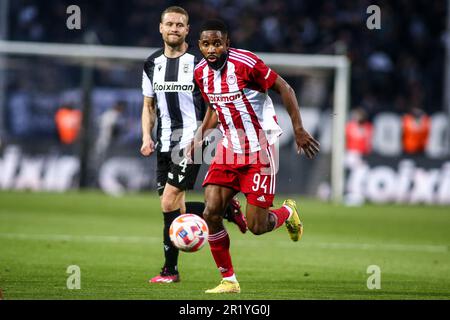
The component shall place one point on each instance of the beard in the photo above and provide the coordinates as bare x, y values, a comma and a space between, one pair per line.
216, 65
174, 42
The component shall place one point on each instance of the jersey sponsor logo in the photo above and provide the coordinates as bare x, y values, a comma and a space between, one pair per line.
180, 178
261, 199
174, 86
225, 97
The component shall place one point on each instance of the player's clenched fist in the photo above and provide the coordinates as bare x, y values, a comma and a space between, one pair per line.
148, 147
306, 143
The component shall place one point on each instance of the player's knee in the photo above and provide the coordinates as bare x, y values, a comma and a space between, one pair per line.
169, 202
212, 213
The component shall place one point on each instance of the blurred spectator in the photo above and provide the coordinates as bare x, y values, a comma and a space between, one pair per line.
358, 133
109, 127
416, 129
390, 66
68, 123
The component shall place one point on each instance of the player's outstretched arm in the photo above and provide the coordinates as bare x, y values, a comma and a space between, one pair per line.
303, 139
148, 122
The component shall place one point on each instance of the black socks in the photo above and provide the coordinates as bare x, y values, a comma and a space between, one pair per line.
170, 251
195, 208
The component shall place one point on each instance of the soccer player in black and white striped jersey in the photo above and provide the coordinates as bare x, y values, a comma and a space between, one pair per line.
171, 95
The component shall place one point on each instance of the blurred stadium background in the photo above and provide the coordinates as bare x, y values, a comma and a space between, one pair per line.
71, 123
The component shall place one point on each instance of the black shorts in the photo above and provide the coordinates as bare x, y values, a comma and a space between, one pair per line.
180, 175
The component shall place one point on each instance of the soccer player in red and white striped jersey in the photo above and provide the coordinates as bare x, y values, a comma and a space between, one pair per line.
235, 85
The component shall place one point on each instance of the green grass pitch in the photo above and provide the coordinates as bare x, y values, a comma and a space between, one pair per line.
116, 242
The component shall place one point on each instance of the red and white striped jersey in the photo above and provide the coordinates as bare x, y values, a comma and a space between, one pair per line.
238, 93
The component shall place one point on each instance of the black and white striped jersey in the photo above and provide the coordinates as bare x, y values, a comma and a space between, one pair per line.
179, 104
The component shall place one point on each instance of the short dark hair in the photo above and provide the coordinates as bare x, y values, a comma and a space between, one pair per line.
214, 24
175, 9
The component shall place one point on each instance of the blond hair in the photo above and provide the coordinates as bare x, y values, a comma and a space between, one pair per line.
175, 9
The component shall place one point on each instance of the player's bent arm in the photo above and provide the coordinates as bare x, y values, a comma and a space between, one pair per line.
148, 122
303, 139
210, 121
289, 101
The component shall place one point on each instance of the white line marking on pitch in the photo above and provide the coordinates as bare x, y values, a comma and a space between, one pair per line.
311, 244
78, 238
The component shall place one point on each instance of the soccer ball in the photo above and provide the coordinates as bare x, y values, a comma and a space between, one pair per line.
188, 232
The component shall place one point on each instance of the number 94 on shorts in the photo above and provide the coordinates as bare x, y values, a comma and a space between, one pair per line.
257, 181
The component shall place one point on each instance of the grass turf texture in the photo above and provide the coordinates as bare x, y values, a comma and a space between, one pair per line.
116, 242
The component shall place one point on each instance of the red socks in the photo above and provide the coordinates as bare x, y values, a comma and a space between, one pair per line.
220, 243
280, 215
220, 249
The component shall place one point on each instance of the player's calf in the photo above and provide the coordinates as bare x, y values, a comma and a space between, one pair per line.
259, 228
258, 220
261, 220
